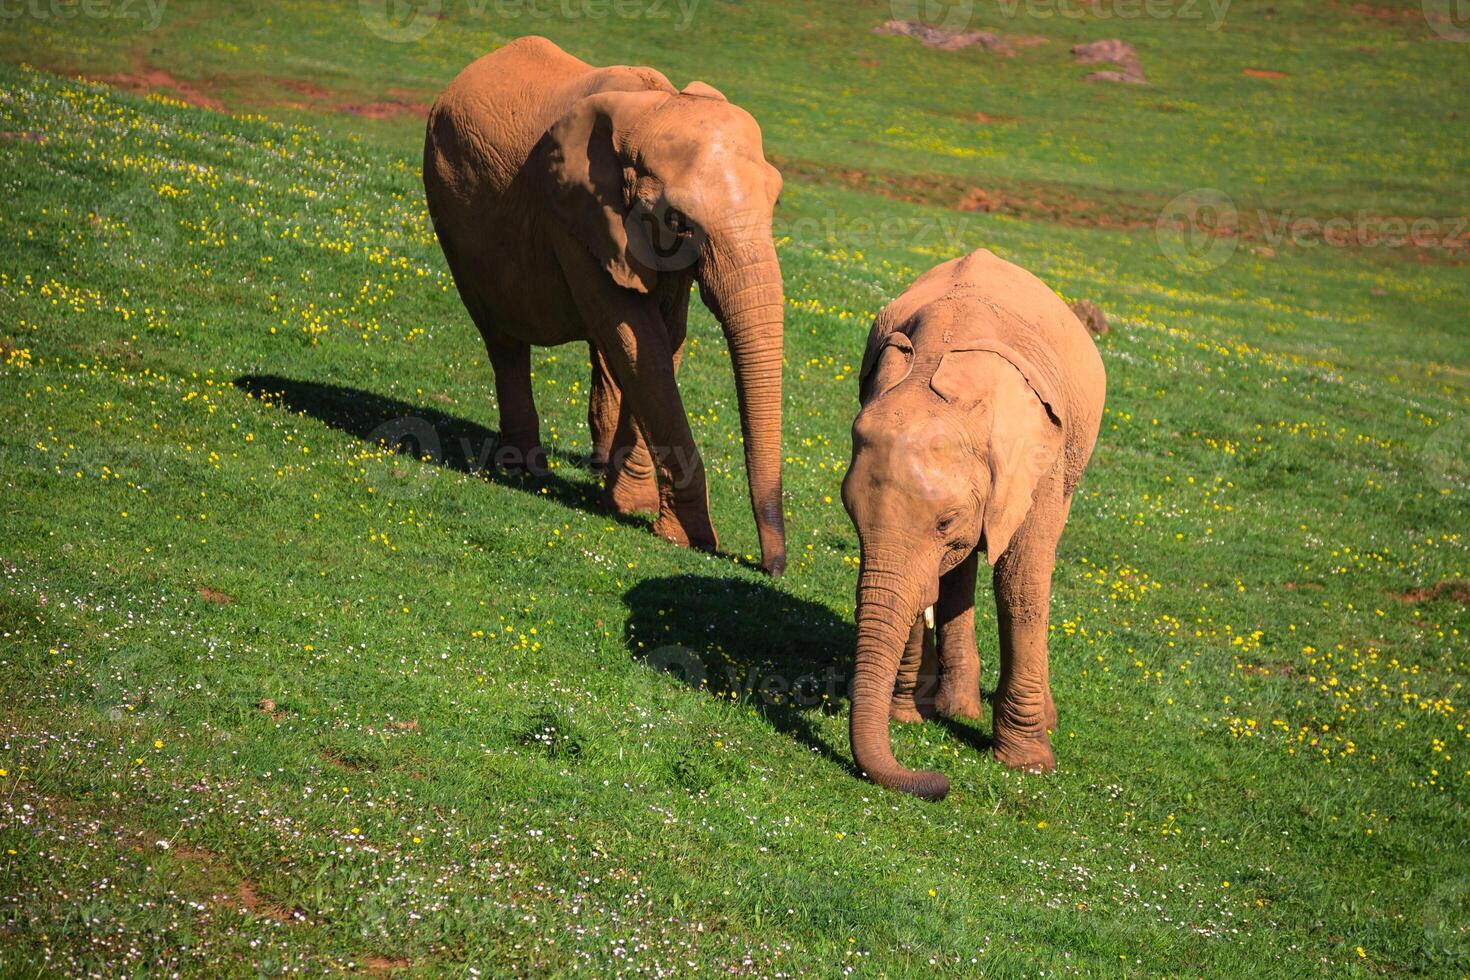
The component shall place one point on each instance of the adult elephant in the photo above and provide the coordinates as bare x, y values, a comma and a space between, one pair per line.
981, 399
581, 203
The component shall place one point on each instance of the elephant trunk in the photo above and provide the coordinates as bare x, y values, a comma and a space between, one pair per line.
742, 286
887, 605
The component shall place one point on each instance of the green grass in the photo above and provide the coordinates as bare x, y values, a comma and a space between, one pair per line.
277, 697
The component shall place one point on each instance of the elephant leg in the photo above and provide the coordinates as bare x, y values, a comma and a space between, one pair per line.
630, 485
1023, 705
636, 344
918, 677
520, 448
954, 627
603, 412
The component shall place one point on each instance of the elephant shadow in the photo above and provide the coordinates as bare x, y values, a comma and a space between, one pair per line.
424, 433
786, 657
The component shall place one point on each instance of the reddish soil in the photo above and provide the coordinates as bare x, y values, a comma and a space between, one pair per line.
1456, 591
1094, 207
385, 110
1388, 13
382, 964
1263, 73
248, 895
153, 79
215, 596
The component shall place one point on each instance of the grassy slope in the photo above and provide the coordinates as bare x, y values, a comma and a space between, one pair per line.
467, 758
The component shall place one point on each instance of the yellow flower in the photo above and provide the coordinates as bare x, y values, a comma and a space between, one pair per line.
158, 743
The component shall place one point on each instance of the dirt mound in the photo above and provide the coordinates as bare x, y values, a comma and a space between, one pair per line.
1111, 50
935, 37
386, 110
1092, 317
1457, 591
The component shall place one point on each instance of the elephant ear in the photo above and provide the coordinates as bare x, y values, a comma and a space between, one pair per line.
1025, 431
591, 178
703, 90
885, 366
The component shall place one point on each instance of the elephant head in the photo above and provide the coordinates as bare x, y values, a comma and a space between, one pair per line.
657, 183
947, 452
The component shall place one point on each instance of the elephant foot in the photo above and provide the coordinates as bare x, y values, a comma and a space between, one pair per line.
952, 705
629, 496
907, 710
522, 457
698, 534
1025, 754
597, 461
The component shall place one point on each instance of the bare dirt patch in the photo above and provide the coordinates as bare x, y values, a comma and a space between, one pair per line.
215, 596
945, 40
249, 898
1264, 73
1453, 590
1388, 14
148, 80
1092, 317
1095, 207
383, 964
1111, 51
385, 110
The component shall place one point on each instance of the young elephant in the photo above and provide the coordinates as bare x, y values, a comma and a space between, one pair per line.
981, 397
576, 203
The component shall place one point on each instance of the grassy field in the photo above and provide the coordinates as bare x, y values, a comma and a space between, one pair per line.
278, 698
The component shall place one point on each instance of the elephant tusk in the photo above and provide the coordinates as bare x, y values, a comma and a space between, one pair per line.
929, 617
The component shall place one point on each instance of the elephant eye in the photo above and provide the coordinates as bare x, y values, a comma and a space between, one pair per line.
678, 222
946, 522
